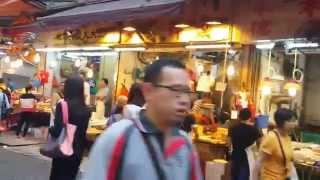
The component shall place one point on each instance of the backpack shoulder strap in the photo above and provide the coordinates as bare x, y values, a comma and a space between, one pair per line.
118, 155
153, 155
282, 150
192, 156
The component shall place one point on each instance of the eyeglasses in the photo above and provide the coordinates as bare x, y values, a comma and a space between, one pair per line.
176, 88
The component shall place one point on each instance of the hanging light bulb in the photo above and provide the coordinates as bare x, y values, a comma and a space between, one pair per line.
26, 53
6, 59
36, 58
231, 70
266, 90
292, 87
77, 63
292, 91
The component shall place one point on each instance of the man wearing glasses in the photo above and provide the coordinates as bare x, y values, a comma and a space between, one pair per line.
150, 147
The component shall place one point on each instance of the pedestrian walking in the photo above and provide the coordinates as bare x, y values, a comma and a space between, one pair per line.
150, 147
243, 135
275, 160
28, 102
79, 114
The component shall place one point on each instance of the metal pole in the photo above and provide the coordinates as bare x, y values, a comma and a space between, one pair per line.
269, 63
295, 63
224, 73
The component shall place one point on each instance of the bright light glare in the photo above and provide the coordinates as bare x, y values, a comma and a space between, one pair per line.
265, 46
208, 46
231, 70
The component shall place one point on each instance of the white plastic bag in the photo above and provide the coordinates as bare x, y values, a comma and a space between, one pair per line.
250, 151
294, 174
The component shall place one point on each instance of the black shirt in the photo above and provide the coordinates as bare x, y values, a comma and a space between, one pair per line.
242, 136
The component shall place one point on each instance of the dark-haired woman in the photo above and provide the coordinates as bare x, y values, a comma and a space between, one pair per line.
79, 113
135, 102
276, 152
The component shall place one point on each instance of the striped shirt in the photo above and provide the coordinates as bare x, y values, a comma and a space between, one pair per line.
114, 152
28, 102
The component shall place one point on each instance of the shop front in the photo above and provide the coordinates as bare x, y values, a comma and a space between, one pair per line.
230, 68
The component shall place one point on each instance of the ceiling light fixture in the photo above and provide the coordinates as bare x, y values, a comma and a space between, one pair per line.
91, 53
119, 49
213, 23
129, 28
88, 48
265, 46
301, 45
181, 26
208, 46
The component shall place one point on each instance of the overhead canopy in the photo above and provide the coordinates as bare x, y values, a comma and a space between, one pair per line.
121, 10
15, 7
11, 10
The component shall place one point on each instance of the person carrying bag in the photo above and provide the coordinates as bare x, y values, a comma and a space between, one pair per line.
293, 174
63, 145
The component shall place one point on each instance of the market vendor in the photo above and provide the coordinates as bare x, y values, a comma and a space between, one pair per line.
102, 97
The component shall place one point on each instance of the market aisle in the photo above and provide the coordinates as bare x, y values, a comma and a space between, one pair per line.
16, 166
24, 162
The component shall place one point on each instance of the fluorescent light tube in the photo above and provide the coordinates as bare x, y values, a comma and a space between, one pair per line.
130, 49
208, 46
301, 45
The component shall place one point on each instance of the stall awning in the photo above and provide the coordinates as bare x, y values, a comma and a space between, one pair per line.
113, 11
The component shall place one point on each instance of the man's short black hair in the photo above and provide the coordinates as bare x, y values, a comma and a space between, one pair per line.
244, 114
1, 80
106, 81
153, 71
282, 115
28, 88
83, 73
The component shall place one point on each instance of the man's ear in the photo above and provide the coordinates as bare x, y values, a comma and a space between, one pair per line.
146, 90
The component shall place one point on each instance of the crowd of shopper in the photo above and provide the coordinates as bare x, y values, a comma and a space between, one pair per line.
143, 138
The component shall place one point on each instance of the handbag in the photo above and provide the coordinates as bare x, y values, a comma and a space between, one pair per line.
4, 107
62, 146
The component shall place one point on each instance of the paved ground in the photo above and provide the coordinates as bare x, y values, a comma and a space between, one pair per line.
16, 166
22, 161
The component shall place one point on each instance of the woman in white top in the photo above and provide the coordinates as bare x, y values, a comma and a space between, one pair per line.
135, 102
102, 97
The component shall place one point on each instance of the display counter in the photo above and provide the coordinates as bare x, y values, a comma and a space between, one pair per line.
307, 159
41, 115
93, 133
210, 145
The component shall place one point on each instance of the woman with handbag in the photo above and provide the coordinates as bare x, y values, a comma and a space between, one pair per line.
276, 152
66, 168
